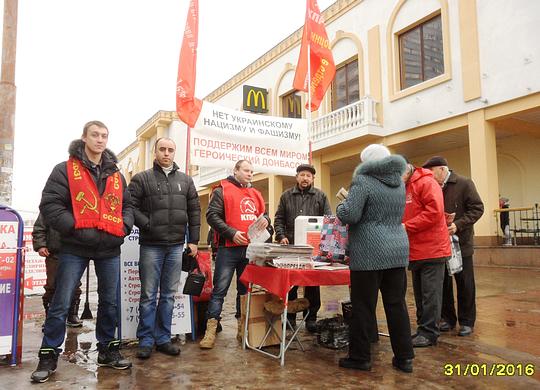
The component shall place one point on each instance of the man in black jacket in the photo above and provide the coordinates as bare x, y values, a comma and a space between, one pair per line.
87, 201
165, 201
461, 198
302, 199
46, 242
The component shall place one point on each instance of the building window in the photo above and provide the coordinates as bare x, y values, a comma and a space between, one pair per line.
421, 53
345, 87
292, 105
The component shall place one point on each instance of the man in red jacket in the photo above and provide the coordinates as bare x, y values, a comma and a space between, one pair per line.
429, 249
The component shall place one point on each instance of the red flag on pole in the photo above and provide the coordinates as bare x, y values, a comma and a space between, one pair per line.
188, 106
315, 42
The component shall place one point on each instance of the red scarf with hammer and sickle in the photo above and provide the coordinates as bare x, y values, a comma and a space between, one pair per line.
91, 210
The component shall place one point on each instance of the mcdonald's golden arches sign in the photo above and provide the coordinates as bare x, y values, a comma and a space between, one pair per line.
255, 99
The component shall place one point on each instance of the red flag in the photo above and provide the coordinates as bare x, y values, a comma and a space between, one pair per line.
322, 64
188, 106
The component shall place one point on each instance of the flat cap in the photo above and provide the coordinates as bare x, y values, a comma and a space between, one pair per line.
305, 167
435, 161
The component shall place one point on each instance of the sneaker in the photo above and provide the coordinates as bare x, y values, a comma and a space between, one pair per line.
355, 364
48, 360
465, 330
445, 326
421, 341
168, 349
144, 352
110, 356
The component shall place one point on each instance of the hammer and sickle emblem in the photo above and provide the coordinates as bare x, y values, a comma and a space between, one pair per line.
81, 196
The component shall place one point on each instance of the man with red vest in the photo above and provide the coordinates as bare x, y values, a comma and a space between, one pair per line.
429, 249
234, 206
87, 201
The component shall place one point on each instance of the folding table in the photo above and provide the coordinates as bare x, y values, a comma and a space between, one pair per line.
279, 281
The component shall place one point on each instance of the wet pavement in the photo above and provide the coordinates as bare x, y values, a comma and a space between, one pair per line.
505, 339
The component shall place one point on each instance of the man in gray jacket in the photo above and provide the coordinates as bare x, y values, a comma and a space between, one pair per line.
166, 206
302, 199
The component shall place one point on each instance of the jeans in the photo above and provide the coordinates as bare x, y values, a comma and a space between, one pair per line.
466, 296
68, 276
428, 277
365, 286
159, 268
228, 260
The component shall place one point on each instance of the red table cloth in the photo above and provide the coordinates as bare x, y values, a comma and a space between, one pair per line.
279, 281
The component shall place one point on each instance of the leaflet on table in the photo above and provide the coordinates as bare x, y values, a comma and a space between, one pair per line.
257, 230
320, 263
291, 262
333, 267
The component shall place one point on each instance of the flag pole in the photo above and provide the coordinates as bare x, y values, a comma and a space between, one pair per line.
188, 151
309, 102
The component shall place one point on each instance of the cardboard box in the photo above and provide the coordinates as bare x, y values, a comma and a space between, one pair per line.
257, 325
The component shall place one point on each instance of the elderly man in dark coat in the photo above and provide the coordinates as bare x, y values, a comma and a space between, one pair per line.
460, 197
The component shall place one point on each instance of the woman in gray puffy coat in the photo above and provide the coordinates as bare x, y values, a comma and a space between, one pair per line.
379, 250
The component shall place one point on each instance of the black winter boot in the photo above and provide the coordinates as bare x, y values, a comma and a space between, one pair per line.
48, 360
73, 320
110, 356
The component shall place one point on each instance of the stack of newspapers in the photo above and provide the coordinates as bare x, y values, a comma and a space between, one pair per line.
281, 256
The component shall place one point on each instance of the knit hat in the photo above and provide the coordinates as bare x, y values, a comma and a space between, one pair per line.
435, 161
374, 152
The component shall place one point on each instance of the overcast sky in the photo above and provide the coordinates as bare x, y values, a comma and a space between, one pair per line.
117, 61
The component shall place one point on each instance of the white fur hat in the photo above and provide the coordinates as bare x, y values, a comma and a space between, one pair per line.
374, 152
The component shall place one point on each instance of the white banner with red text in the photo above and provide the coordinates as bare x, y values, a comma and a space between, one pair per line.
222, 136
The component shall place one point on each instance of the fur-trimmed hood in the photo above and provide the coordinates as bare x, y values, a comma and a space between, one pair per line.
76, 149
387, 170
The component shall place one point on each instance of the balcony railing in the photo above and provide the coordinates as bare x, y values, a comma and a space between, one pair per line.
353, 117
518, 226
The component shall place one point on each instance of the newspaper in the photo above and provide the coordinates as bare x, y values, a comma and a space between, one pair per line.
259, 252
257, 230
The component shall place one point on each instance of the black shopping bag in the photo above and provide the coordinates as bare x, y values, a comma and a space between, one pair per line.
194, 283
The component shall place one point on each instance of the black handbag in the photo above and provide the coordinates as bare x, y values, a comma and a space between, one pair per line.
194, 283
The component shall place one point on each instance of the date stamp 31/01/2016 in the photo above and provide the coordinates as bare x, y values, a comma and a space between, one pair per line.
489, 369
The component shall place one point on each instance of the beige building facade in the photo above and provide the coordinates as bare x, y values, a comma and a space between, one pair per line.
456, 78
